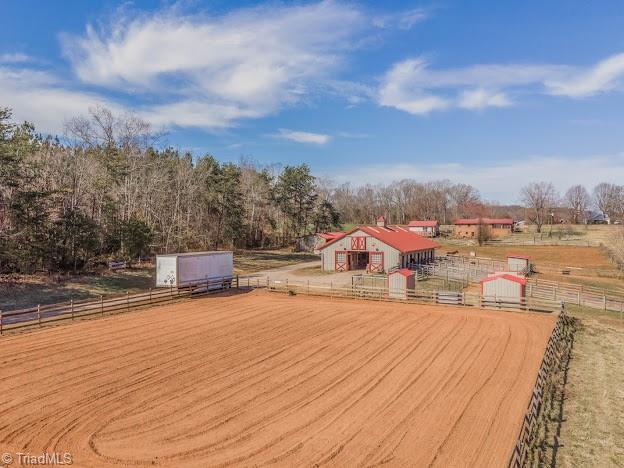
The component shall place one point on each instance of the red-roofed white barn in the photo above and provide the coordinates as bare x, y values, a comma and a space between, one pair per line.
377, 249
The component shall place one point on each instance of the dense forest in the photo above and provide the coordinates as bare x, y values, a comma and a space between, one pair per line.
110, 190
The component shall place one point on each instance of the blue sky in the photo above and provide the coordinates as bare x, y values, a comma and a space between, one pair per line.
495, 94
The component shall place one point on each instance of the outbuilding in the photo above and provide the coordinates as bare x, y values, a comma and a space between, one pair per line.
505, 285
518, 263
377, 249
468, 228
400, 282
426, 228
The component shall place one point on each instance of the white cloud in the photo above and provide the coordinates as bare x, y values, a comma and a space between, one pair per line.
412, 86
481, 98
303, 137
499, 181
41, 98
244, 64
602, 77
404, 20
399, 90
14, 58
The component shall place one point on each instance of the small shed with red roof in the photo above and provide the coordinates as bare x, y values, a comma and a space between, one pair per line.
427, 228
400, 282
504, 285
377, 249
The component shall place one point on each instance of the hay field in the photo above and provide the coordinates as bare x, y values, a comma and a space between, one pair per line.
260, 378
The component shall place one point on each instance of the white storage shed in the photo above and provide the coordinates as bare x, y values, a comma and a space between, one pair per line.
506, 285
400, 282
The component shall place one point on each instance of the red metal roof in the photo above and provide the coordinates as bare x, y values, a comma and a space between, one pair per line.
403, 271
465, 221
425, 223
507, 276
395, 236
330, 235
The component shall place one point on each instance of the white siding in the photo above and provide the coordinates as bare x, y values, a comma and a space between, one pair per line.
397, 285
517, 264
502, 287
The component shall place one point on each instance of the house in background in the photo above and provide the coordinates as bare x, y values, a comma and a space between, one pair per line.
469, 228
425, 228
377, 249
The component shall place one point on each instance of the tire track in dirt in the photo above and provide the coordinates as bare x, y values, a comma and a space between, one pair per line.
260, 378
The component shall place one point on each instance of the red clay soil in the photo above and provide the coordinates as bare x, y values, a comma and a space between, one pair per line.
264, 378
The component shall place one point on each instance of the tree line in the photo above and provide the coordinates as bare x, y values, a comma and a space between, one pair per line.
109, 192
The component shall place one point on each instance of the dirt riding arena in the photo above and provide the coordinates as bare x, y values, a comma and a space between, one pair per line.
264, 378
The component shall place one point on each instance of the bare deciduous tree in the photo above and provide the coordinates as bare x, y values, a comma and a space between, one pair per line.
609, 199
539, 198
577, 200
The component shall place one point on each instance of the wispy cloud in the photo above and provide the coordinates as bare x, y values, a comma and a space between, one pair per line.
413, 86
604, 76
14, 58
245, 64
303, 137
404, 20
42, 98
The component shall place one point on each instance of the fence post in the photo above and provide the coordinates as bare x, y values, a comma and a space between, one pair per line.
331, 289
127, 300
0, 321
604, 302
238, 282
150, 296
71, 304
171, 291
102, 303
248, 287
308, 287
39, 314
578, 298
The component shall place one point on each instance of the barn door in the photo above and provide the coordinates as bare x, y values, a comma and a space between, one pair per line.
342, 261
375, 260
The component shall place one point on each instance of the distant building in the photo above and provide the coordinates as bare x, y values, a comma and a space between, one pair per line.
377, 249
469, 228
428, 228
595, 217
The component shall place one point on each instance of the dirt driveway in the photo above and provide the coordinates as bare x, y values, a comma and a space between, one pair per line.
296, 273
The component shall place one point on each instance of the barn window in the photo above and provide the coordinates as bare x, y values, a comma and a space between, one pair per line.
358, 243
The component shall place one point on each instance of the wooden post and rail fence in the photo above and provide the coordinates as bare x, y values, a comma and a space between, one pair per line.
43, 315
527, 450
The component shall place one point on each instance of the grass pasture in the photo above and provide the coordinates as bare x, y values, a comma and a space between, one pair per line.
592, 433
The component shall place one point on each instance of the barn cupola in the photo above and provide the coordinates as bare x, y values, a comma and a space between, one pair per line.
381, 221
